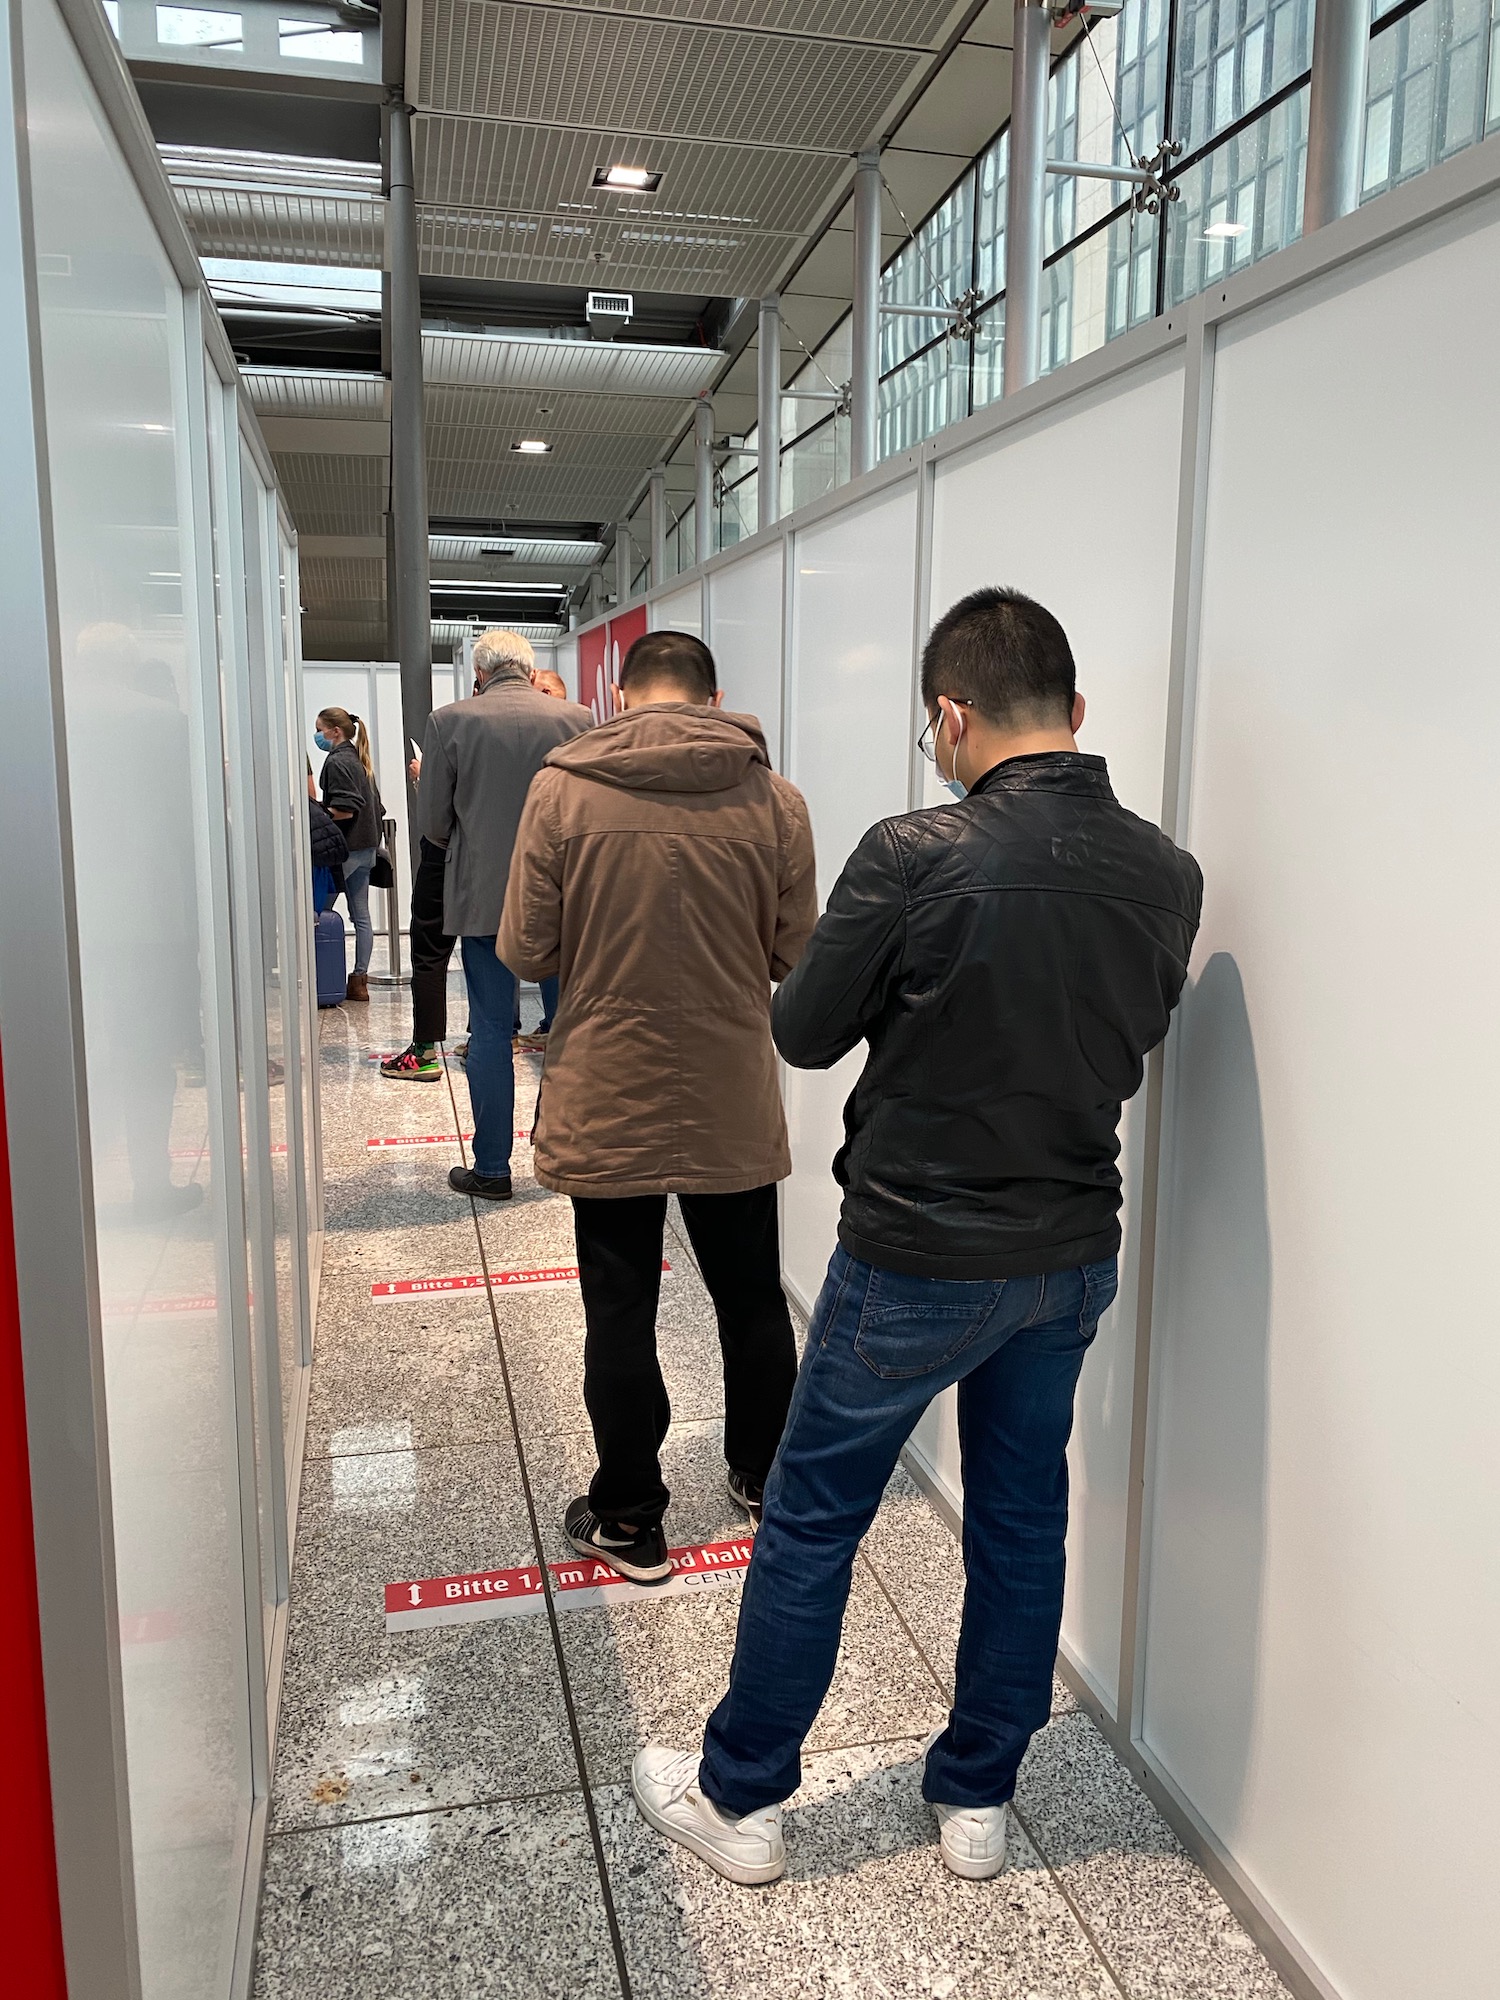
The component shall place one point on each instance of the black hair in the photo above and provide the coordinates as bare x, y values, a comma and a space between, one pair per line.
1007, 655
672, 656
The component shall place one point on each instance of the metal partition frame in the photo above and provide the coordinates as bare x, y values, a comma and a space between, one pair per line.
1194, 327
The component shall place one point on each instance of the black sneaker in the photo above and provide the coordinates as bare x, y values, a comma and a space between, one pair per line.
639, 1554
488, 1187
750, 1496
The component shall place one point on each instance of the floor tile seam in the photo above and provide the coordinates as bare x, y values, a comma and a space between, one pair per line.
943, 1686
400, 1450
1094, 1945
1110, 1970
429, 1811
606, 1891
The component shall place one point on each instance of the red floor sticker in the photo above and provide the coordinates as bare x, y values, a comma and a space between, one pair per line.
400, 1140
473, 1281
576, 1586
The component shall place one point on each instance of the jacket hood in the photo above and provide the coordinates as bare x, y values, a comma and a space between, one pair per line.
667, 748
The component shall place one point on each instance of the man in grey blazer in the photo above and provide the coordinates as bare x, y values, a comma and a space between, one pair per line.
478, 760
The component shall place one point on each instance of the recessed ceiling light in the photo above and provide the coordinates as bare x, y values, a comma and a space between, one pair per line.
640, 180
1227, 229
531, 444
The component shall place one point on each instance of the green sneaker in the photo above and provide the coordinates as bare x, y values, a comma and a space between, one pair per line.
416, 1064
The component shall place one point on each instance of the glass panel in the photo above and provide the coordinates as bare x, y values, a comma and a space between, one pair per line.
198, 28
931, 391
738, 505
933, 269
1120, 62
310, 41
1098, 289
1241, 202
1429, 92
1231, 56
989, 270
143, 764
989, 352
816, 463
826, 371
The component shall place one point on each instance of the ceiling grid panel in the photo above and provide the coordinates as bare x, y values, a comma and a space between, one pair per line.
597, 71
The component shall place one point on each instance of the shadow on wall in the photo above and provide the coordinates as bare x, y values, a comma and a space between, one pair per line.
1213, 1336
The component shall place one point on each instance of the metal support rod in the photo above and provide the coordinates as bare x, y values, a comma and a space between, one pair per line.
864, 388
658, 491
392, 974
922, 312
1092, 170
624, 564
703, 480
1336, 111
409, 544
768, 414
1026, 194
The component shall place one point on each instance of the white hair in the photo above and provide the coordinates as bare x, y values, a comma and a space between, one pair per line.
500, 648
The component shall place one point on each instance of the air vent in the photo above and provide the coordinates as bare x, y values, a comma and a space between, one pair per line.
609, 313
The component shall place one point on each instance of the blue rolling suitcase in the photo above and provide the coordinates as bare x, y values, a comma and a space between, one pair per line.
328, 956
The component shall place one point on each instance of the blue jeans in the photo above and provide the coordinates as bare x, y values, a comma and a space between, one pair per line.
357, 895
491, 1067
548, 990
881, 1346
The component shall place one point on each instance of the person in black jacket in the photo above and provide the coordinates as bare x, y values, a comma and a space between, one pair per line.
1008, 960
352, 797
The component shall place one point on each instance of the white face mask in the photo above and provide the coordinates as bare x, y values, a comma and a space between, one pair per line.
953, 784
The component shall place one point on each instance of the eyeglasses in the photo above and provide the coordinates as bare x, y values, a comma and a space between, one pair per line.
924, 741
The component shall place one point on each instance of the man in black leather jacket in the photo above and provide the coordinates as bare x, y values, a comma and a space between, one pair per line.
1009, 960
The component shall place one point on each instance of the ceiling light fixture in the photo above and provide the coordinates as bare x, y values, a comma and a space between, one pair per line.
633, 180
1221, 229
531, 445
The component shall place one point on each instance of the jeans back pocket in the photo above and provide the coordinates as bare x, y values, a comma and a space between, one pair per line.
914, 1326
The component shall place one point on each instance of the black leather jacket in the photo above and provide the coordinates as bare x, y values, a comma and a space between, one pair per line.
1010, 959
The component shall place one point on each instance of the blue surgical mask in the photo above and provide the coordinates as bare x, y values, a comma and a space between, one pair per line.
952, 786
322, 741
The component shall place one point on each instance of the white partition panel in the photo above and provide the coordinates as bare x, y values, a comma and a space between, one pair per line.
1027, 509
745, 631
145, 770
680, 611
567, 665
849, 749
1324, 1604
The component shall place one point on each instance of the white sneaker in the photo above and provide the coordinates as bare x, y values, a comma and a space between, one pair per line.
665, 1783
972, 1838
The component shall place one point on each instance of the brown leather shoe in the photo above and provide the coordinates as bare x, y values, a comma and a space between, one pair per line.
359, 987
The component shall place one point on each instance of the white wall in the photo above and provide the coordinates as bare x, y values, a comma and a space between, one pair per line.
1012, 511
746, 618
679, 611
849, 747
1323, 1663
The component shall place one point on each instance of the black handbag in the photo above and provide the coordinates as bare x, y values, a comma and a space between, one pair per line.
383, 867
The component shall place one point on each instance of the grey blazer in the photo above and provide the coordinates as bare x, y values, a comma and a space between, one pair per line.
478, 760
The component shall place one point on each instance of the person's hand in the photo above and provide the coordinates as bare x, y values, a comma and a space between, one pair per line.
414, 769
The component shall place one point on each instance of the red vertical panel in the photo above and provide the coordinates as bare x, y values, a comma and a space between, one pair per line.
593, 671
31, 1954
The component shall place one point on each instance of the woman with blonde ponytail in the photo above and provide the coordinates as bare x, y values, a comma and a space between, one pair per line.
353, 798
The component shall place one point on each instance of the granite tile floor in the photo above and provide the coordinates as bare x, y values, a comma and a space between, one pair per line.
451, 1813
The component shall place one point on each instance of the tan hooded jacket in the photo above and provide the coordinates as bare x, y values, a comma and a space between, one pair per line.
666, 873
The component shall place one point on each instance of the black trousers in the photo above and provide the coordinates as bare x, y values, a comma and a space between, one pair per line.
734, 1238
431, 947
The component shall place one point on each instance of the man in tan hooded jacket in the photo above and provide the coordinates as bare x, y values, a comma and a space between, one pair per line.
666, 873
